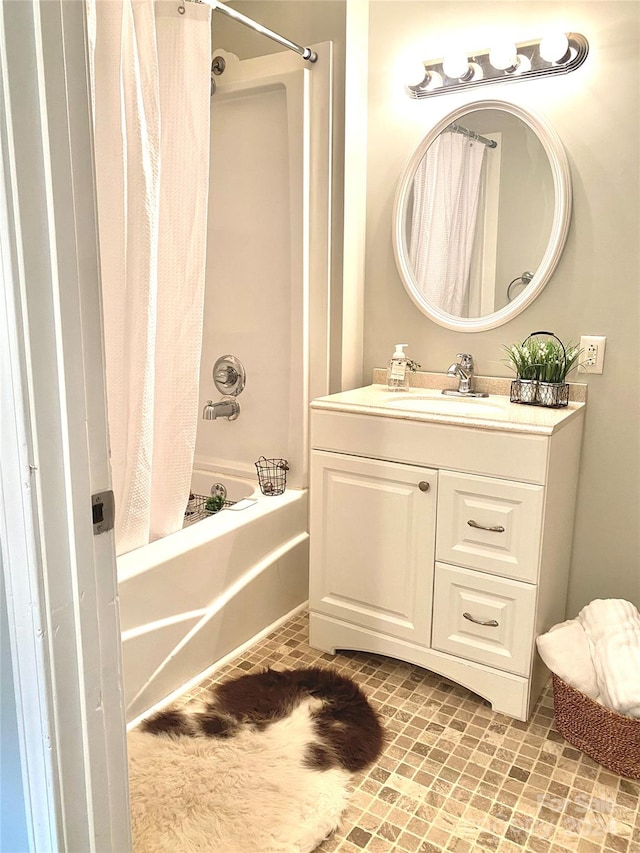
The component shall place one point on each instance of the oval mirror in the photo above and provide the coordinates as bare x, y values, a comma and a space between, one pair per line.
481, 215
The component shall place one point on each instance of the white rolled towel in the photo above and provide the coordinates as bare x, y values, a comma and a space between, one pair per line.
604, 615
617, 665
565, 650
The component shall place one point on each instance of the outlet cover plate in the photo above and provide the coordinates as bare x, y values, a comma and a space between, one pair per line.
592, 357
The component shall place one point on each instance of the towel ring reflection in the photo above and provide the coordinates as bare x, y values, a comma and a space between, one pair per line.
524, 279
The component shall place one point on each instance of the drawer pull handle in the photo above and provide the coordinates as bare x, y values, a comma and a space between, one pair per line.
497, 529
424, 486
490, 623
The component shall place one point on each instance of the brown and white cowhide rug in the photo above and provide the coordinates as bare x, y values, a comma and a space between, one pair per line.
263, 766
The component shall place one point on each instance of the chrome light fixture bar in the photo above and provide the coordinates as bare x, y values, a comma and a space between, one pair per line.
506, 63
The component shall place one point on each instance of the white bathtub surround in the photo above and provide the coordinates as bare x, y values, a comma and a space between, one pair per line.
182, 693
151, 75
190, 599
268, 276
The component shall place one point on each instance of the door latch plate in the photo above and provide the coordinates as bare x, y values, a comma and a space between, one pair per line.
103, 509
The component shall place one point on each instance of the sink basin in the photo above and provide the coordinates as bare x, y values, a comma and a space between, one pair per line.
436, 402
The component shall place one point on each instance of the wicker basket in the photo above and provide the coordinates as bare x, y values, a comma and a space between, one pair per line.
611, 739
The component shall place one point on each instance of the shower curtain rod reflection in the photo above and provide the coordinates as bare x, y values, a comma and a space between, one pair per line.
458, 128
305, 52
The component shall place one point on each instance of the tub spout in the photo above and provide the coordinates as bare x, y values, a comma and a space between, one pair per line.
228, 408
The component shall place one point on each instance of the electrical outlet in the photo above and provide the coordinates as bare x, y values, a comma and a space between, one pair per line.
592, 357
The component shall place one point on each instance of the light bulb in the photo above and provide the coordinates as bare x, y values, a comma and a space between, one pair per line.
555, 48
414, 72
434, 81
456, 65
504, 56
523, 64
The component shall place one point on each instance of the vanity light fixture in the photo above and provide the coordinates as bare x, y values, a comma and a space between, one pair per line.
557, 53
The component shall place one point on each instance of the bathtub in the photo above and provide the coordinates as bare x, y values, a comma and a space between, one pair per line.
194, 598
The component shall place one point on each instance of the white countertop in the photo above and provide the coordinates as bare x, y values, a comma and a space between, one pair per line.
495, 412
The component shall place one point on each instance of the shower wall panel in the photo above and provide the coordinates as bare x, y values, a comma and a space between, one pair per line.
249, 275
267, 260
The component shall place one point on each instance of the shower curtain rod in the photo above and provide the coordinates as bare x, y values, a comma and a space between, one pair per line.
458, 128
305, 52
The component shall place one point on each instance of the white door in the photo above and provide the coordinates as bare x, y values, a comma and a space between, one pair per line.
372, 543
59, 578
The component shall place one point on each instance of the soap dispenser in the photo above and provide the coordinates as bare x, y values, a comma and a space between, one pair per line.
398, 370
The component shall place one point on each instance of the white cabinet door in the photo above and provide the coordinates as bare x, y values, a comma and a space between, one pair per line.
372, 543
489, 524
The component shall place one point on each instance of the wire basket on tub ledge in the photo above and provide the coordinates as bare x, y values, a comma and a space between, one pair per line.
272, 475
541, 368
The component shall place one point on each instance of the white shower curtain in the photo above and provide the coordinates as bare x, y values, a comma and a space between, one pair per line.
443, 222
151, 95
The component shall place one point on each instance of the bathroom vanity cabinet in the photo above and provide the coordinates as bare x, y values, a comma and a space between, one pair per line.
443, 537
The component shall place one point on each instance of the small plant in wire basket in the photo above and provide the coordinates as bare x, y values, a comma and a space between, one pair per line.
522, 358
558, 361
541, 368
214, 503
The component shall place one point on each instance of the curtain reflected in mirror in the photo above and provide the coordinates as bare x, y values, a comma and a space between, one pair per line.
444, 213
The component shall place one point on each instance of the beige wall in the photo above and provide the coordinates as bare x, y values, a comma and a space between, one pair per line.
595, 289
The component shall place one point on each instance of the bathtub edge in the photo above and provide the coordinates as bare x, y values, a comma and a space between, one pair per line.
209, 671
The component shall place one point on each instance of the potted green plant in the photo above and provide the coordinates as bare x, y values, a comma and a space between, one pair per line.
556, 362
214, 503
541, 370
523, 360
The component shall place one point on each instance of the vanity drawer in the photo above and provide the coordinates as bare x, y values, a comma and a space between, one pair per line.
493, 452
464, 599
491, 525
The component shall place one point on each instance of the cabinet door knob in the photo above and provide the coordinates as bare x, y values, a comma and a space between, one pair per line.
424, 486
491, 623
497, 529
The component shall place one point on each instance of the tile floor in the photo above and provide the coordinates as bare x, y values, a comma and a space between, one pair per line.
455, 776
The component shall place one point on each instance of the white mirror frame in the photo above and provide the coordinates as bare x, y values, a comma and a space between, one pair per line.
559, 164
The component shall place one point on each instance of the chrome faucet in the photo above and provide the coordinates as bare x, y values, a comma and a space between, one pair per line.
228, 408
463, 369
